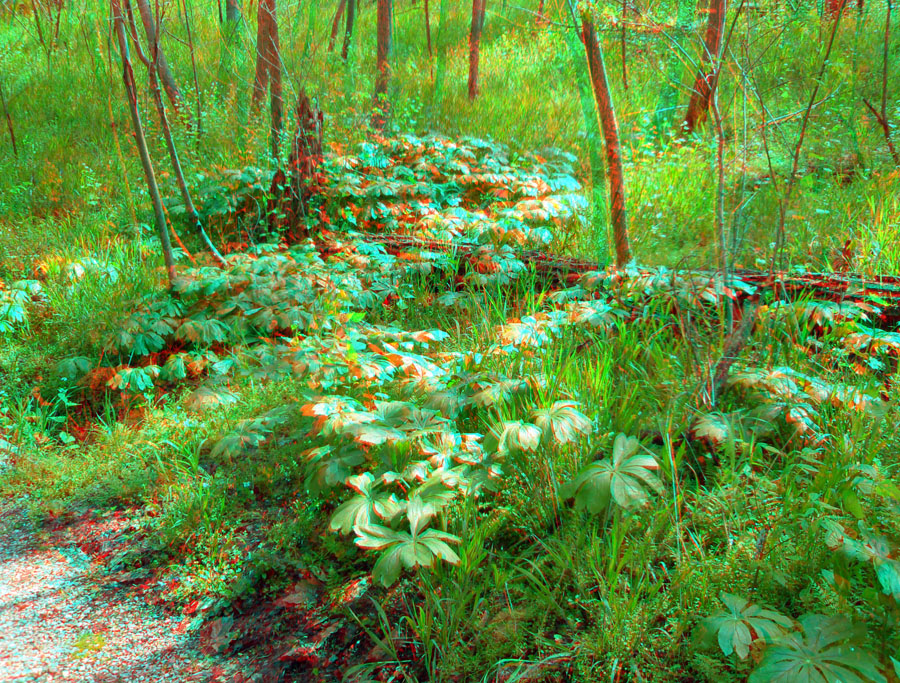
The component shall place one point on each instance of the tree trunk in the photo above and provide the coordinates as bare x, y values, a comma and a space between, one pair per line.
478, 11
153, 73
233, 11
348, 32
263, 31
441, 67
426, 11
9, 123
268, 69
289, 207
383, 64
146, 163
593, 135
276, 100
704, 84
880, 116
610, 126
187, 26
231, 33
165, 73
336, 24
668, 98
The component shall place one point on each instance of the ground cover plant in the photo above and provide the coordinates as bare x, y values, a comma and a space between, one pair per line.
501, 343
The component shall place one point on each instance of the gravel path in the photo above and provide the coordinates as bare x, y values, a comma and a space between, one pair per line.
60, 622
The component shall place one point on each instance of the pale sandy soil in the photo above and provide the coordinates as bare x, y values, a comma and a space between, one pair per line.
62, 621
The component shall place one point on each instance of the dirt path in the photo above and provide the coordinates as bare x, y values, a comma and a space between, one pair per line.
59, 621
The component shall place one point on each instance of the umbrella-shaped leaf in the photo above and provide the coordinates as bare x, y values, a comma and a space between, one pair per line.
742, 622
365, 507
420, 548
823, 653
624, 479
514, 436
562, 421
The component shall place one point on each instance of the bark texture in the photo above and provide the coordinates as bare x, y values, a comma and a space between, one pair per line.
153, 73
383, 64
427, 12
705, 82
156, 53
291, 194
146, 163
610, 127
478, 11
348, 31
268, 68
233, 11
336, 24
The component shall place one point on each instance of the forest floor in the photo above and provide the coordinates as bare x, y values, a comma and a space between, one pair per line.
333, 461
62, 620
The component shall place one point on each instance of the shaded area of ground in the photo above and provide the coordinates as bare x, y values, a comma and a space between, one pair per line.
61, 621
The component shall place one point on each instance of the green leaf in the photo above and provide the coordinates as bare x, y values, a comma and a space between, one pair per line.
743, 622
823, 653
851, 504
366, 507
327, 466
714, 427
174, 369
74, 369
624, 479
420, 547
210, 394
513, 437
562, 421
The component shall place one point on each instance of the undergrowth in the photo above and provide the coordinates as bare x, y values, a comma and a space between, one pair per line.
525, 480
436, 464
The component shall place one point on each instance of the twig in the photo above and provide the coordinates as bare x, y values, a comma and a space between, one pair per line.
779, 237
734, 344
9, 123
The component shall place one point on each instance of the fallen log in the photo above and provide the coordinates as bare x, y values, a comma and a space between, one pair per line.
881, 292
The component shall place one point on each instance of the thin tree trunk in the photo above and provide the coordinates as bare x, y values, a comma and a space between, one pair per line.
336, 24
348, 31
478, 11
721, 234
165, 73
114, 126
882, 116
233, 11
593, 136
37, 22
261, 76
153, 76
705, 82
383, 64
441, 66
610, 126
198, 94
624, 44
276, 100
9, 123
146, 163
231, 32
427, 13
153, 73
668, 98
795, 161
